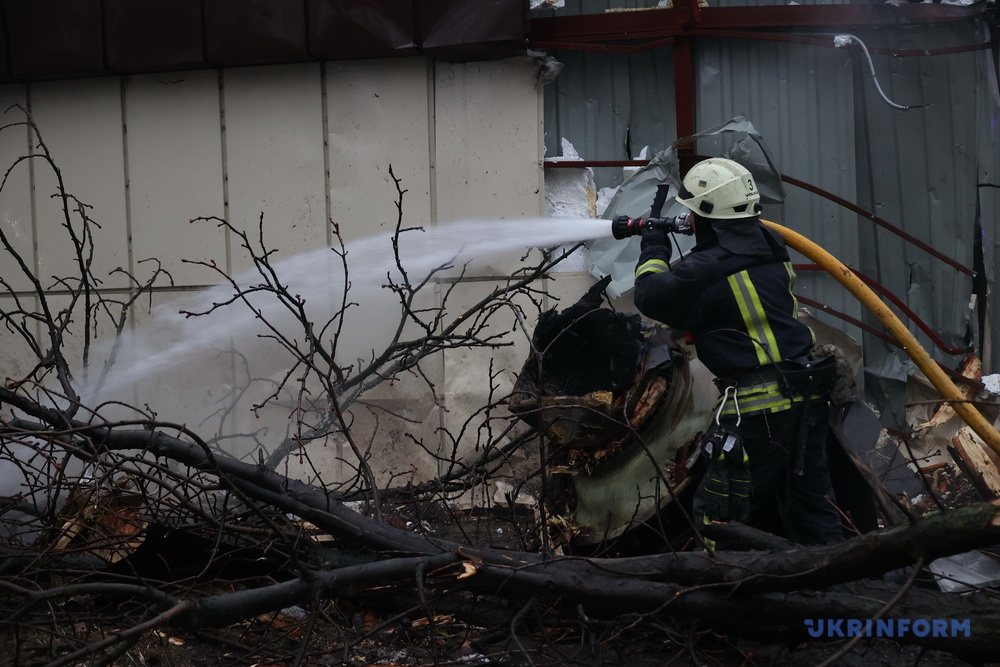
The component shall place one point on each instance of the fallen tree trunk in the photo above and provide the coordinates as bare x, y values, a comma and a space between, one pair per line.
868, 555
754, 594
968, 625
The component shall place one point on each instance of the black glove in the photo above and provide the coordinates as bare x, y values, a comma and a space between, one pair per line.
740, 487
714, 489
656, 236
726, 487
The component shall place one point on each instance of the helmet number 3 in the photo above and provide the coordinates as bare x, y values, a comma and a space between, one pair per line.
751, 190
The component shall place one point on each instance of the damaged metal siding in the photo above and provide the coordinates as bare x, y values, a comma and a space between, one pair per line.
801, 99
611, 106
923, 170
924, 167
930, 171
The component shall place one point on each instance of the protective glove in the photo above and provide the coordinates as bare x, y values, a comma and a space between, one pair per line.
740, 486
656, 236
715, 490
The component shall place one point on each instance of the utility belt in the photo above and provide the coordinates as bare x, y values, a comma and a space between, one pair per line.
778, 387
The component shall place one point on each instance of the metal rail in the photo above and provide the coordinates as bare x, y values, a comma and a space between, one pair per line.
884, 291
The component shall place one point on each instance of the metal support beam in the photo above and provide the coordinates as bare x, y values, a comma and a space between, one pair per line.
684, 94
665, 23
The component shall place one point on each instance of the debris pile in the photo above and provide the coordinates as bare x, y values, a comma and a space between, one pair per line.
585, 385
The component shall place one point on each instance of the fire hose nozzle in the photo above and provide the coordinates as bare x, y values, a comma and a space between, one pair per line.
623, 227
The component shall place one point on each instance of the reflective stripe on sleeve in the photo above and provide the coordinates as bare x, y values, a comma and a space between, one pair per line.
652, 266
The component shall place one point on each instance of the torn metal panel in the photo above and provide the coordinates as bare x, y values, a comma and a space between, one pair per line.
611, 105
616, 258
874, 469
988, 209
926, 179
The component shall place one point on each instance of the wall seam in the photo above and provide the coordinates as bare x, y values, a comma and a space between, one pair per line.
123, 101
35, 259
225, 169
227, 236
325, 114
441, 399
339, 444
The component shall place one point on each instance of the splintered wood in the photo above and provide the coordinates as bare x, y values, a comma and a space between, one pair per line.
973, 451
104, 522
971, 368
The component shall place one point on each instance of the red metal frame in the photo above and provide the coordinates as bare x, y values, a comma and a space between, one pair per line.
687, 17
686, 22
884, 291
684, 91
958, 266
951, 372
766, 36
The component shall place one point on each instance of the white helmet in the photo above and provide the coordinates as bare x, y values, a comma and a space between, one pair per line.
721, 189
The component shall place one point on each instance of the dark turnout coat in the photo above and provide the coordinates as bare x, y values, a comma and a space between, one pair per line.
732, 294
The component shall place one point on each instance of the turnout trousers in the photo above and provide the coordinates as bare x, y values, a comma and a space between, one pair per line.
802, 506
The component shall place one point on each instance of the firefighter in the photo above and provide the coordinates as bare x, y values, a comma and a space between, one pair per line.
732, 295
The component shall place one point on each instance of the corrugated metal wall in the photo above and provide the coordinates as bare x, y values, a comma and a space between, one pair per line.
923, 170
610, 106
801, 100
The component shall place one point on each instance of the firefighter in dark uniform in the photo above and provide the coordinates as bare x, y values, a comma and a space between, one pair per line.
732, 294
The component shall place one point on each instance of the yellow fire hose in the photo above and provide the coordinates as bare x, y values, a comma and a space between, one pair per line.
969, 414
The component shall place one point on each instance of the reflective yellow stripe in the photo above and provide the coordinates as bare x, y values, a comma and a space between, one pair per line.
652, 266
776, 405
765, 397
791, 286
795, 301
754, 318
716, 493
